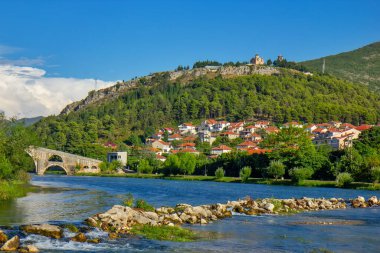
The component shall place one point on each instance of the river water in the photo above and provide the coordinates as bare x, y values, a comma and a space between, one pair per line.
76, 198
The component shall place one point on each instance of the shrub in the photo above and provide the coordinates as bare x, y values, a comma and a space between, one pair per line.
245, 172
375, 173
276, 169
144, 167
299, 174
219, 173
344, 179
142, 204
128, 201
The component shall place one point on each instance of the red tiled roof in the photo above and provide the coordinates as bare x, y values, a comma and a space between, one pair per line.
187, 144
222, 147
363, 127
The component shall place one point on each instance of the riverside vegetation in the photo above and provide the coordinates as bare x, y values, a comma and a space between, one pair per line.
14, 162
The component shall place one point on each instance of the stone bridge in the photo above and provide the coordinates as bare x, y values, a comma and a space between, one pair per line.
45, 158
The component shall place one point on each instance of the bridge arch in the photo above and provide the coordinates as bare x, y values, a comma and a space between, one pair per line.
55, 158
55, 165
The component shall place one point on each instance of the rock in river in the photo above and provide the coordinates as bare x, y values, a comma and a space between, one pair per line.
44, 229
12, 244
3, 237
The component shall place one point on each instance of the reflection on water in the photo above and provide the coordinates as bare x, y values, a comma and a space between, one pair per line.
84, 196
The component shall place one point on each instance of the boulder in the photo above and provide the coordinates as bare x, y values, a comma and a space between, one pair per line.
80, 237
91, 222
269, 207
28, 249
3, 237
12, 244
94, 240
361, 199
44, 229
373, 201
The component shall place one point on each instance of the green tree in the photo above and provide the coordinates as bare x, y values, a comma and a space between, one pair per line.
219, 173
375, 172
245, 173
187, 163
344, 179
172, 165
144, 167
276, 169
299, 174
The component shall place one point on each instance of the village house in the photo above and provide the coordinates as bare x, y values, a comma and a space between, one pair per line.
230, 135
175, 137
220, 126
246, 145
262, 124
253, 137
310, 128
293, 124
187, 145
222, 149
236, 127
271, 130
161, 158
187, 128
207, 125
164, 146
206, 136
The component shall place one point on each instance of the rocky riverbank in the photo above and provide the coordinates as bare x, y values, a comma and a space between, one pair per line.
122, 220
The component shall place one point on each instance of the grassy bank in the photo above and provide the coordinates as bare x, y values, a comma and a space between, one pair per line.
13, 189
306, 183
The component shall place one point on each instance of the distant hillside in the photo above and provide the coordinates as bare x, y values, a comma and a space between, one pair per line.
360, 66
29, 121
144, 105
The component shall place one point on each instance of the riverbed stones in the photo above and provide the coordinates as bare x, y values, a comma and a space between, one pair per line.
44, 229
80, 237
28, 249
358, 202
3, 237
269, 207
12, 244
373, 201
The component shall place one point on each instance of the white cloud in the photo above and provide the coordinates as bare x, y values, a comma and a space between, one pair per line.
26, 92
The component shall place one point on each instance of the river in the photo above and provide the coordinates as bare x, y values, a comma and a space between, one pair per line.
75, 198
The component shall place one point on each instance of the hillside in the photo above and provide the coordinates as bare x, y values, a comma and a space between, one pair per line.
165, 99
360, 66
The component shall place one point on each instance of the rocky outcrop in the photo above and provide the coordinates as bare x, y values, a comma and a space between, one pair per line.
44, 229
12, 244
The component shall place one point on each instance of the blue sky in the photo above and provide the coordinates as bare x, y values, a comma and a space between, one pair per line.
114, 40
52, 51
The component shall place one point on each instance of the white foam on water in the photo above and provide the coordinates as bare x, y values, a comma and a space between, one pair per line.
97, 233
45, 243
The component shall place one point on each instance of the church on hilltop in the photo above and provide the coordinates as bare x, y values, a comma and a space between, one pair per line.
257, 60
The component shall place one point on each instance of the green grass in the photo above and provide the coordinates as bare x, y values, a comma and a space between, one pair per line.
165, 233
13, 189
306, 183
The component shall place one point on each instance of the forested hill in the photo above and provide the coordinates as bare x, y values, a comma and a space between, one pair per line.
160, 101
361, 65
